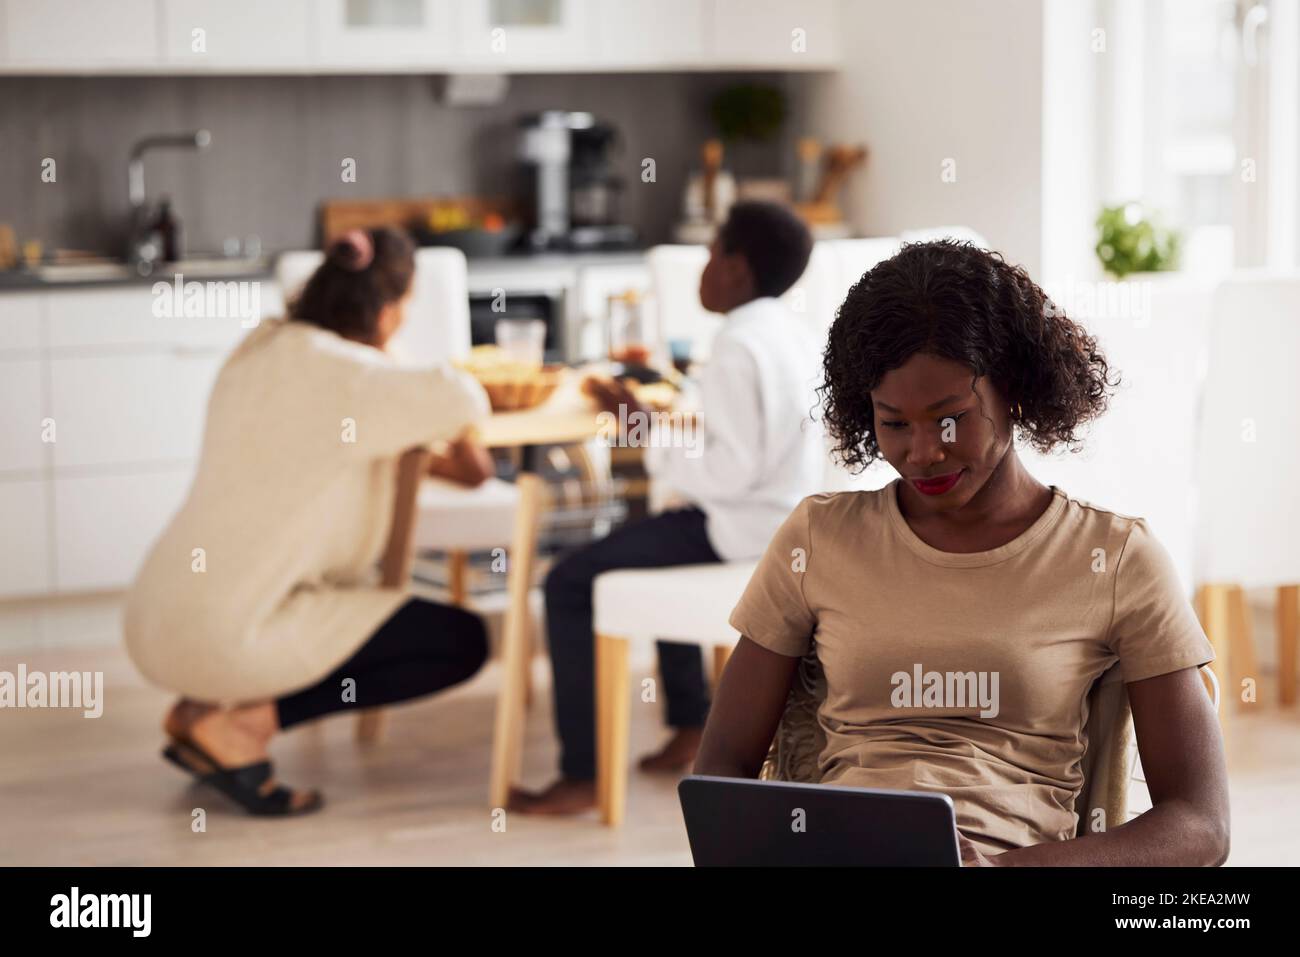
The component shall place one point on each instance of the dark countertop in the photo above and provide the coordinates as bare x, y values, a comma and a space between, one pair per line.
14, 280
22, 280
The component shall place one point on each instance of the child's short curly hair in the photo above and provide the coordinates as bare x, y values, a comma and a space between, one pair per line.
956, 301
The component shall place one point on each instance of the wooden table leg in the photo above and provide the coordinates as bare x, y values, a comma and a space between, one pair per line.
508, 728
1288, 637
721, 655
371, 725
1213, 606
1241, 636
613, 726
457, 573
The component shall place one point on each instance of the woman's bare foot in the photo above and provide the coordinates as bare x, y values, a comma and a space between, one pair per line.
260, 720
182, 716
677, 755
221, 734
565, 796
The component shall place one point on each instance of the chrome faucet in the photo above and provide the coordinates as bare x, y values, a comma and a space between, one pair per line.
143, 251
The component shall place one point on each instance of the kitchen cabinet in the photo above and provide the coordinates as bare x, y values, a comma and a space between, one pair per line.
511, 36
127, 390
125, 316
21, 332
385, 35
104, 525
125, 409
21, 411
203, 35
762, 33
414, 36
78, 36
633, 34
25, 557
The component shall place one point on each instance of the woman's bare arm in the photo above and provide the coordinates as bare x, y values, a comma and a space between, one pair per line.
1181, 748
746, 709
464, 461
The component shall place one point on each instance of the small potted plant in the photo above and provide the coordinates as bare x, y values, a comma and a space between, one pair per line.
1131, 240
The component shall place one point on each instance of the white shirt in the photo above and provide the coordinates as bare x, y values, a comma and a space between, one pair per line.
761, 452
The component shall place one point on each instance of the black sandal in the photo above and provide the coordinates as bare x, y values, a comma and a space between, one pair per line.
245, 786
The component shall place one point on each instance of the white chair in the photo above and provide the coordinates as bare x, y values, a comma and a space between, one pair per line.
1138, 458
817, 295
449, 518
1248, 501
833, 267
630, 606
854, 257
437, 314
675, 283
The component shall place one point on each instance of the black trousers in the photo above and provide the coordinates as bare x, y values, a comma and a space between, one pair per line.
672, 538
424, 647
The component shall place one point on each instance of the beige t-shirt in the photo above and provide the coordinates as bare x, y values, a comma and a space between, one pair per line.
968, 673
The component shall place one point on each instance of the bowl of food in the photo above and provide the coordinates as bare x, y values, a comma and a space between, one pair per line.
511, 384
477, 237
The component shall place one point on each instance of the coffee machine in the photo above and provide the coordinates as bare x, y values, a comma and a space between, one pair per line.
574, 189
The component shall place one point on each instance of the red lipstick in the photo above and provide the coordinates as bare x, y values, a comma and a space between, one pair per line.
939, 484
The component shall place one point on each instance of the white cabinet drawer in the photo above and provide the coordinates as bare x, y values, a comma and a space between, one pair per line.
20, 415
25, 557
236, 33
130, 408
119, 316
81, 34
20, 322
105, 525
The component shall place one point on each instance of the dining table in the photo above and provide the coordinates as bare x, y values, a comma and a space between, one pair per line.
567, 417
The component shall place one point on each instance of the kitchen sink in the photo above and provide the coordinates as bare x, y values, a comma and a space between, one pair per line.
83, 272
107, 270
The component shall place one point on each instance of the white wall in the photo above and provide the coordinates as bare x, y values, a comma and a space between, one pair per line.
1072, 94
926, 80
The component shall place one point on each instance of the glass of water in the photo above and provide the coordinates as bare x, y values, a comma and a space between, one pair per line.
522, 340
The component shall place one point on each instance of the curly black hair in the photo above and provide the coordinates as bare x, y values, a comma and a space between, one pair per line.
956, 301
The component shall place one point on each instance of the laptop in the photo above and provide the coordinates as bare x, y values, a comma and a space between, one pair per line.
739, 822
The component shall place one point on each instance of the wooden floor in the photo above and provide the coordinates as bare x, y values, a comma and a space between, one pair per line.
95, 791
76, 791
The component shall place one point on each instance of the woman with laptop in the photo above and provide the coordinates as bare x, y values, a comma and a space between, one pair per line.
962, 613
